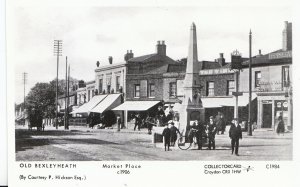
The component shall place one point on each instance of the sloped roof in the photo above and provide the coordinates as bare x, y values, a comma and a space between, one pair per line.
209, 65
152, 57
176, 67
266, 60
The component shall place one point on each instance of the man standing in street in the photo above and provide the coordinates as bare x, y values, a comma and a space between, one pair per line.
167, 137
235, 133
212, 130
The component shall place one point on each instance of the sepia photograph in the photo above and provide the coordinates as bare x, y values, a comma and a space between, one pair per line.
157, 83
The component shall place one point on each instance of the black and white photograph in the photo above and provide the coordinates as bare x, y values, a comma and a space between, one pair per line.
153, 83
152, 93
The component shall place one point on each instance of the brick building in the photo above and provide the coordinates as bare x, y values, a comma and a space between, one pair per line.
144, 78
272, 83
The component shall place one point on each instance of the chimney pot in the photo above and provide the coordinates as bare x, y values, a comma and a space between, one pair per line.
130, 51
221, 55
259, 52
161, 48
110, 59
98, 63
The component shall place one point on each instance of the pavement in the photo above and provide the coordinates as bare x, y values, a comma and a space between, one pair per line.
85, 144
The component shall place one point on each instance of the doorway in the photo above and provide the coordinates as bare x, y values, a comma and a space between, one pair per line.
267, 116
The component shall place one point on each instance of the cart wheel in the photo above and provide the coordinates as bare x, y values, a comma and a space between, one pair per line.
184, 143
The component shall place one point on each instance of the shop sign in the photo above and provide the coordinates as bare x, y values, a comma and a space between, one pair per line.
267, 102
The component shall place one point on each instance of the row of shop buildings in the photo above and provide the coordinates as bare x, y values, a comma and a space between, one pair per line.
140, 84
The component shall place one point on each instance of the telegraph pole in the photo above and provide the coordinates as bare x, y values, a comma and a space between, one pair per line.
57, 52
250, 84
24, 82
68, 86
66, 95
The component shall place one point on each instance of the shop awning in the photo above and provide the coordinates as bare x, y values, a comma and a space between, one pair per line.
136, 105
244, 99
215, 102
111, 101
87, 107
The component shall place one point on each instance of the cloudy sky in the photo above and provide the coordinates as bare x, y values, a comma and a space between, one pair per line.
92, 33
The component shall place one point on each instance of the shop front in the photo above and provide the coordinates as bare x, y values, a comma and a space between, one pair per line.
270, 107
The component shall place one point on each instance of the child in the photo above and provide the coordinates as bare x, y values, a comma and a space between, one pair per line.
173, 131
167, 135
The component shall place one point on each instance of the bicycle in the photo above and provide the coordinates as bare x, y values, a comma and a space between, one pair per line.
186, 142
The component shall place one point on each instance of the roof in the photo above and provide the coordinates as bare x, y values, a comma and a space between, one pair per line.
210, 65
152, 57
176, 67
273, 58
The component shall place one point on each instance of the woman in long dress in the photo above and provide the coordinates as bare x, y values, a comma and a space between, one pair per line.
280, 126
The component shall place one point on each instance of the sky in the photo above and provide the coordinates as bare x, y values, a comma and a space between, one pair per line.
92, 33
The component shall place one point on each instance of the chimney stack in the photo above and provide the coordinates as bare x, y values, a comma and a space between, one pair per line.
110, 59
221, 60
287, 36
161, 48
259, 52
128, 55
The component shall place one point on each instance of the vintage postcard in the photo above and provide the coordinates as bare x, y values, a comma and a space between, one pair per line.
157, 94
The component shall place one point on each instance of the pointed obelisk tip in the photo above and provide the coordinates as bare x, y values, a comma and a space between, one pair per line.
193, 26
250, 32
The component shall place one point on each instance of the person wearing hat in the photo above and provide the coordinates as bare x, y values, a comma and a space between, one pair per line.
235, 133
174, 130
197, 131
167, 137
211, 132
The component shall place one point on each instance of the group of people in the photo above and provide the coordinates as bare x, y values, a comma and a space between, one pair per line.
159, 118
203, 132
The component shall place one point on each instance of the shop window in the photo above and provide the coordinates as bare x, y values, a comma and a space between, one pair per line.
173, 89
137, 90
257, 79
210, 89
230, 87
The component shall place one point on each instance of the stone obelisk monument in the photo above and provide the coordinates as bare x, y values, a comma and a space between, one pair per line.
191, 107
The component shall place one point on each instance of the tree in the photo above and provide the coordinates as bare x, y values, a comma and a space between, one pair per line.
40, 103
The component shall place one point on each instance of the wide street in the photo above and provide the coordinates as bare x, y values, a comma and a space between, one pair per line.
83, 144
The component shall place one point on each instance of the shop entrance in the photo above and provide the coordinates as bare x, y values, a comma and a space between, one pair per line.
267, 116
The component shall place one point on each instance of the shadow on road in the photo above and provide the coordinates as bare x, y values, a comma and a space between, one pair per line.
26, 139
